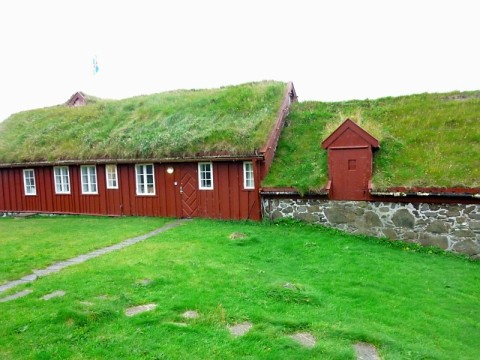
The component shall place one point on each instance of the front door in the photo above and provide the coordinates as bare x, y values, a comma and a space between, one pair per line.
188, 190
350, 172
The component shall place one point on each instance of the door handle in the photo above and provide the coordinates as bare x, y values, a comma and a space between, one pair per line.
181, 189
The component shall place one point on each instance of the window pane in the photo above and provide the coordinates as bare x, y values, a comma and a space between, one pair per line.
205, 175
29, 182
62, 184
248, 175
145, 179
111, 171
89, 179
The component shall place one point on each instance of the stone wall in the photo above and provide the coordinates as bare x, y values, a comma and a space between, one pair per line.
454, 227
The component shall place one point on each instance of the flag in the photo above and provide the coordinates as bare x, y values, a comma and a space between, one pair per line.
95, 65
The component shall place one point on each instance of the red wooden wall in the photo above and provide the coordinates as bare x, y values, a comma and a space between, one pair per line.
350, 160
227, 200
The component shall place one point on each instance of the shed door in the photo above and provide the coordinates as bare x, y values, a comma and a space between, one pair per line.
188, 190
350, 171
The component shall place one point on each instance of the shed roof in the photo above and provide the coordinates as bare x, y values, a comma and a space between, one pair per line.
427, 141
228, 121
350, 126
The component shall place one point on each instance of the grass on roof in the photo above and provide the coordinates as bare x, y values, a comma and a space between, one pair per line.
233, 119
426, 140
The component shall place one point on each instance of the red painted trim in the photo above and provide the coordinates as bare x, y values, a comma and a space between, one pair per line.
417, 189
268, 150
349, 124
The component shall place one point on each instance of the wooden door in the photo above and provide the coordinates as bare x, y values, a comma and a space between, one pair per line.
350, 172
188, 190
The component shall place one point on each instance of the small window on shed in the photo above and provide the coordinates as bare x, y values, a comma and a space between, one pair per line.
62, 180
29, 182
145, 179
89, 179
248, 180
205, 176
112, 176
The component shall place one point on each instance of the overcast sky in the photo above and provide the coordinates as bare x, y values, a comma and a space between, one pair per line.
331, 50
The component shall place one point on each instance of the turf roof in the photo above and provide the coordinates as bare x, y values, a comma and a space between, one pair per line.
233, 120
426, 140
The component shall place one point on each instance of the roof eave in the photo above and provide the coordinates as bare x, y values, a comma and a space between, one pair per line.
135, 161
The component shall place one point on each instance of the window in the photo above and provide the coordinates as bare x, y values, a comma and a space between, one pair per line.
145, 179
29, 182
89, 179
248, 182
62, 180
111, 173
205, 176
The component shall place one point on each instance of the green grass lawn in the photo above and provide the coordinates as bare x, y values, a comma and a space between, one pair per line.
283, 278
34, 243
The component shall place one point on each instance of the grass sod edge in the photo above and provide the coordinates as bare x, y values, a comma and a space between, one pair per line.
344, 289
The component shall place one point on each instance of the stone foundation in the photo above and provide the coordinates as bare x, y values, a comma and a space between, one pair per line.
453, 227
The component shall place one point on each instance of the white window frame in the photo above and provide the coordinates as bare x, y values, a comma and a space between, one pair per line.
144, 176
248, 176
201, 179
90, 186
64, 183
29, 188
115, 175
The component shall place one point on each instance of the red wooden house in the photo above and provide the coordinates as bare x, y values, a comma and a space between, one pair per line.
196, 181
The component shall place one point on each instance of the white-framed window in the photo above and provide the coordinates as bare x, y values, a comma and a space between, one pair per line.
112, 176
145, 179
29, 182
248, 180
62, 180
89, 179
205, 176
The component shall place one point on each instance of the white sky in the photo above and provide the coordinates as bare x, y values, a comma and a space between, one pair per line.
331, 50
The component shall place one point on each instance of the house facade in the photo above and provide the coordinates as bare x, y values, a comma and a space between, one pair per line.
222, 185
216, 189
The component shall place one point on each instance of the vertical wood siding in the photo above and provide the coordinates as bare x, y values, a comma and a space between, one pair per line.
227, 200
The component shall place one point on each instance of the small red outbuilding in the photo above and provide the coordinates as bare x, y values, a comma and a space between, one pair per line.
350, 158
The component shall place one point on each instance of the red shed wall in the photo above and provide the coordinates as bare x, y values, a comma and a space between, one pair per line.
227, 200
350, 159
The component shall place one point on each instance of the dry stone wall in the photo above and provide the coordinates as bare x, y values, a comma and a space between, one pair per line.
454, 227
